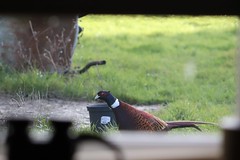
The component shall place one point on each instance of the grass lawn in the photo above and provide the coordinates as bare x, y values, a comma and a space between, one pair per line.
186, 63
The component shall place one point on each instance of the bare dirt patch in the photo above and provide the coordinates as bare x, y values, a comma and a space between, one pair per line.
51, 108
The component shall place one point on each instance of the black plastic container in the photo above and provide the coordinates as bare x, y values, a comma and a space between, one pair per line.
101, 117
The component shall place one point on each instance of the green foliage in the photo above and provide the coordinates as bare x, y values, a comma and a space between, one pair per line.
186, 62
42, 124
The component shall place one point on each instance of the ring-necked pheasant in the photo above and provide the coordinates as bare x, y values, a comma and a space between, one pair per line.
131, 118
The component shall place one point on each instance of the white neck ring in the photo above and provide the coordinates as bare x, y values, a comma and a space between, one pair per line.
115, 104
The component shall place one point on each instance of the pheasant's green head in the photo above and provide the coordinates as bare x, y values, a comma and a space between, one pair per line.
107, 97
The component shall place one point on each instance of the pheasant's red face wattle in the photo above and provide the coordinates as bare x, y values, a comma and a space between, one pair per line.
102, 95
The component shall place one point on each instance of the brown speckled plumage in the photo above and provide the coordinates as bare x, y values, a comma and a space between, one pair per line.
130, 118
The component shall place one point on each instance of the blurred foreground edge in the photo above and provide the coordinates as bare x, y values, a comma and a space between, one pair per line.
183, 7
62, 145
127, 145
159, 146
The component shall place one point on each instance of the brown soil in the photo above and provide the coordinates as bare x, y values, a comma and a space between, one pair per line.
52, 108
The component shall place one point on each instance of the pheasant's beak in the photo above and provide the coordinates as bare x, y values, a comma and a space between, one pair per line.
97, 96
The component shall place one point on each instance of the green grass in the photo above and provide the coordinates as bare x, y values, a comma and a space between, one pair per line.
186, 62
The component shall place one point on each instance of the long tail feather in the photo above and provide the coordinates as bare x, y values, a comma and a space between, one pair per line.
185, 124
